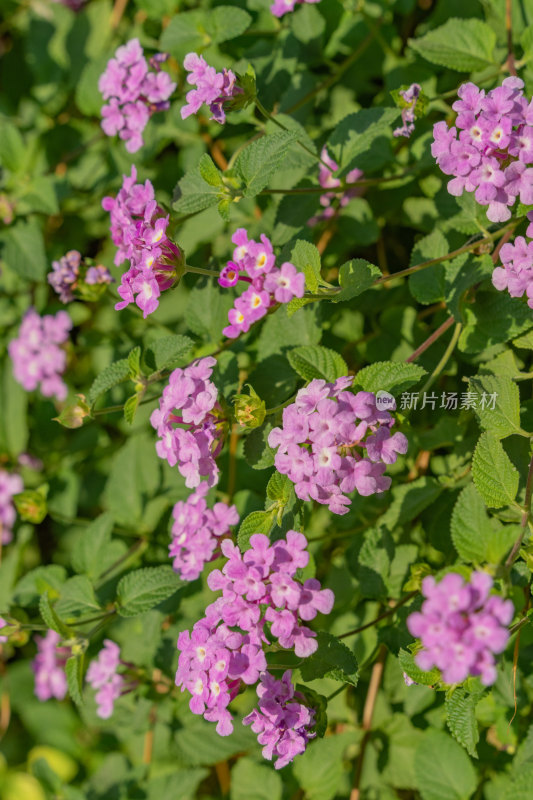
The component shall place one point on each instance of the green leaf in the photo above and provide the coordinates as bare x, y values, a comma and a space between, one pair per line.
461, 718
306, 258
13, 151
461, 44
142, 589
409, 666
389, 376
443, 770
409, 500
258, 162
134, 362
24, 251
320, 769
356, 134
494, 318
333, 659
193, 193
207, 311
279, 489
495, 477
195, 30
50, 617
470, 525
209, 171
134, 476
167, 350
427, 286
355, 277
256, 522
15, 413
77, 598
257, 451
130, 408
501, 392
39, 195
73, 672
252, 781
38, 581
115, 373
88, 552
314, 361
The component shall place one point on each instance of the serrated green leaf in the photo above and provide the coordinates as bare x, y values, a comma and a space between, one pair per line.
443, 770
167, 350
257, 451
314, 361
306, 258
256, 522
279, 488
51, 618
77, 598
355, 277
256, 164
73, 672
464, 45
356, 134
461, 719
208, 171
115, 373
193, 193
13, 152
134, 362
470, 525
130, 408
495, 476
420, 676
196, 29
498, 407
428, 285
142, 589
320, 769
389, 376
333, 659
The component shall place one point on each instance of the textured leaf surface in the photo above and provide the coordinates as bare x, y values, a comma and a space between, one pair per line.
495, 477
389, 376
115, 373
257, 163
317, 362
443, 770
461, 719
145, 588
461, 44
333, 659
501, 392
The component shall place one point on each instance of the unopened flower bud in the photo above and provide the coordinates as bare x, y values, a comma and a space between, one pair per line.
250, 410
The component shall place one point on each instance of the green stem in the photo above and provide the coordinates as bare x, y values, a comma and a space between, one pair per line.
525, 518
113, 409
200, 271
336, 692
444, 360
385, 614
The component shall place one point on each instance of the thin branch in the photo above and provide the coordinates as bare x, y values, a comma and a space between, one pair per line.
444, 360
368, 713
430, 340
525, 518
385, 614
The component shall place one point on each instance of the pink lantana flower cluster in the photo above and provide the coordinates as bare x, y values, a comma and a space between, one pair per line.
489, 151
102, 675
49, 667
215, 89
283, 722
334, 442
10, 484
37, 356
260, 594
333, 201
70, 272
196, 531
516, 274
410, 96
134, 93
281, 7
138, 229
193, 438
461, 626
268, 284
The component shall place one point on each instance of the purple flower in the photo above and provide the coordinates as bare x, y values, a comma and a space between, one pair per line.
102, 675
138, 229
212, 88
10, 484
255, 263
133, 93
196, 530
489, 151
38, 360
261, 596
48, 667
332, 201
71, 271
282, 721
281, 7
194, 445
333, 442
460, 627
410, 96
516, 274
3, 624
